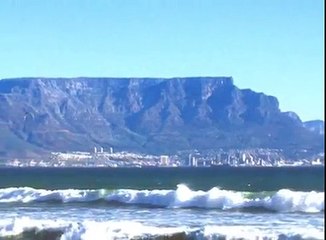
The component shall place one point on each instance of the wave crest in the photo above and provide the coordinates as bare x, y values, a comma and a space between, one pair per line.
283, 200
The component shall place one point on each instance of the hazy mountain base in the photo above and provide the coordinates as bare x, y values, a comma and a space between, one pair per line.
144, 115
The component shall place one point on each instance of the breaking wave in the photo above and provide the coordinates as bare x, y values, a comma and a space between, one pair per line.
28, 228
283, 200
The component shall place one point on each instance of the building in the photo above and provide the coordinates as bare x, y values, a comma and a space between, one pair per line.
164, 160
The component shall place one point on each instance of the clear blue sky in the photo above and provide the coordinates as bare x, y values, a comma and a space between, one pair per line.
270, 46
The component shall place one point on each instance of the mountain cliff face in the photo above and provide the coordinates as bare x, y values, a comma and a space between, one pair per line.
38, 115
316, 126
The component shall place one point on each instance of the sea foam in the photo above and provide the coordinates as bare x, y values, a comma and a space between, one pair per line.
283, 200
107, 230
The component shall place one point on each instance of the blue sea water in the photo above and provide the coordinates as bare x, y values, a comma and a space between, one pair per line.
162, 203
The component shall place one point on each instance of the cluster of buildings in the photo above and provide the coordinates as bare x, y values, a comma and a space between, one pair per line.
235, 158
97, 158
256, 157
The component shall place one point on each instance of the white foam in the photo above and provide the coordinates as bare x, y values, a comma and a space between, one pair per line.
289, 201
16, 226
27, 194
283, 200
254, 233
88, 230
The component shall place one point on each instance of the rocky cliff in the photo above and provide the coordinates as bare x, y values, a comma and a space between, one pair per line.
38, 115
316, 126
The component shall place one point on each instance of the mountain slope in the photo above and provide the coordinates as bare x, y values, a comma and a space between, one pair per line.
146, 115
316, 126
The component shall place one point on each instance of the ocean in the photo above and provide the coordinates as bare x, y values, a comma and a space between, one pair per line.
162, 203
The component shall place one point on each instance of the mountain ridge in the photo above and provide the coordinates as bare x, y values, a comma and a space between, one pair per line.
144, 114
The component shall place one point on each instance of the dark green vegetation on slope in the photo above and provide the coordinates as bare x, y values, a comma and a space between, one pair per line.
144, 115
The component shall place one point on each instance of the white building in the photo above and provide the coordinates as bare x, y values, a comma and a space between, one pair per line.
164, 160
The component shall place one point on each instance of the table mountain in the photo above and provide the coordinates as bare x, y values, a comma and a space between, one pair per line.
152, 115
316, 126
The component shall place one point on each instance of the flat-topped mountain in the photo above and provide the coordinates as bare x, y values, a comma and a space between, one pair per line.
38, 115
316, 126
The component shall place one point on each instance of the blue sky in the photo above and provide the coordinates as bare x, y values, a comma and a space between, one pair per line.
270, 46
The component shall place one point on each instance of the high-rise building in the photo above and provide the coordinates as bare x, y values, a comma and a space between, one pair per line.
192, 161
164, 160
